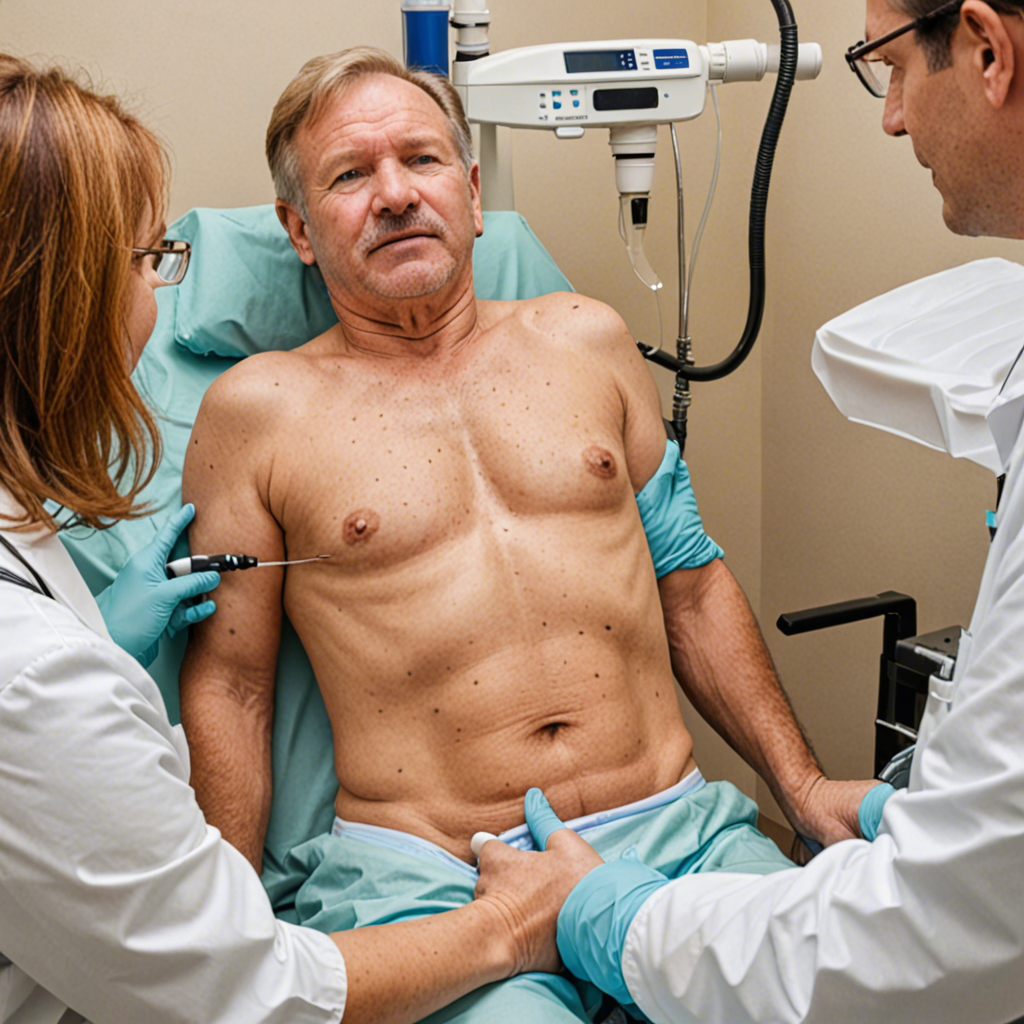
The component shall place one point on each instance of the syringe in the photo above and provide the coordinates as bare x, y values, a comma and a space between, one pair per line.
226, 563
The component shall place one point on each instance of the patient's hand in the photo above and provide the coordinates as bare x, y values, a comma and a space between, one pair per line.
829, 809
528, 889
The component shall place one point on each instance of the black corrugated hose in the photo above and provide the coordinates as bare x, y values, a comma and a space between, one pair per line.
758, 206
759, 199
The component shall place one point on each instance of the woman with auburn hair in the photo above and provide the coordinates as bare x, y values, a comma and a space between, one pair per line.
115, 898
118, 903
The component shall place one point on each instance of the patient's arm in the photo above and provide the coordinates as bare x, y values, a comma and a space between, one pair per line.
227, 678
720, 658
723, 665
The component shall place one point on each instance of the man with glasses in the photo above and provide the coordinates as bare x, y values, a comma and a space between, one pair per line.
926, 923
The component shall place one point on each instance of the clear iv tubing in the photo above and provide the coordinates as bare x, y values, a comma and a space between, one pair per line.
686, 280
656, 291
758, 204
681, 398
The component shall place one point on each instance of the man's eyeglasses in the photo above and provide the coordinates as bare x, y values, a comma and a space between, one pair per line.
170, 260
874, 73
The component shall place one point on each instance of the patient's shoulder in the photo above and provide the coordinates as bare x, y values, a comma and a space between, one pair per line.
249, 411
562, 305
254, 383
570, 319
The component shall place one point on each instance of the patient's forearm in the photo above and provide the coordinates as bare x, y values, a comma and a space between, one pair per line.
229, 746
399, 973
724, 667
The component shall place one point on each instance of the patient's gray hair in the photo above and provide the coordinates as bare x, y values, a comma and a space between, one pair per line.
323, 78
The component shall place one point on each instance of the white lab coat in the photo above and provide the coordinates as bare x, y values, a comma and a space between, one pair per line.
116, 898
925, 924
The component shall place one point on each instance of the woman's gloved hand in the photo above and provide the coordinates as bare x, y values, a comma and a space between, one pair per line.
142, 602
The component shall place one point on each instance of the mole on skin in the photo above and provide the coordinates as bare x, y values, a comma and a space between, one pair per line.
360, 526
600, 462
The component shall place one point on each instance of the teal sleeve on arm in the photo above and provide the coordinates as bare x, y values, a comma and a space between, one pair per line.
593, 921
869, 814
668, 510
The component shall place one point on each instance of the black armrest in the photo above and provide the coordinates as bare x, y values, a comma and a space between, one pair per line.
900, 611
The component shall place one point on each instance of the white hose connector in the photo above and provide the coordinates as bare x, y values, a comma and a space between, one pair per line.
747, 60
471, 20
471, 12
634, 146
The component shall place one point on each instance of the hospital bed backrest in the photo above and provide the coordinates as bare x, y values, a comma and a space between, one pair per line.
247, 291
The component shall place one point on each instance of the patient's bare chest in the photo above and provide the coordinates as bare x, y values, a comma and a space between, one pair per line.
400, 467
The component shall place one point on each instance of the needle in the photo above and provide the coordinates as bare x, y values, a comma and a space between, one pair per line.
226, 563
294, 561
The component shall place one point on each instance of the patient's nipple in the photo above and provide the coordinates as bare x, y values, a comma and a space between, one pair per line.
360, 526
600, 462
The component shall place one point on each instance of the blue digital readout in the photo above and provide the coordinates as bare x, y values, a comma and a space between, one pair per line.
667, 59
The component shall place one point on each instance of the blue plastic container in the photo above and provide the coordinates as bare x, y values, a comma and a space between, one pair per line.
425, 36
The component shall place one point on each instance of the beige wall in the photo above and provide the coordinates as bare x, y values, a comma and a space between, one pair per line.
809, 508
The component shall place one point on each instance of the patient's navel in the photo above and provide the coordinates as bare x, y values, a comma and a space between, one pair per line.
600, 462
360, 526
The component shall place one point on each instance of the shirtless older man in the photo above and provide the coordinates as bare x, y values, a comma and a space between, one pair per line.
491, 619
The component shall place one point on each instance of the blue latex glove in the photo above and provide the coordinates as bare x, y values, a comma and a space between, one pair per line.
869, 814
593, 921
142, 602
542, 821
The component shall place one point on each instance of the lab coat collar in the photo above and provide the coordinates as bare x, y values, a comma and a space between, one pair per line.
1006, 414
1005, 419
44, 552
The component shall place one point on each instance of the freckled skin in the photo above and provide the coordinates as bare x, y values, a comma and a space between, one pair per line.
483, 459
491, 565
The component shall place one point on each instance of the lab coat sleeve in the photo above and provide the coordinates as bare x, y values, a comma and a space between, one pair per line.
114, 893
923, 924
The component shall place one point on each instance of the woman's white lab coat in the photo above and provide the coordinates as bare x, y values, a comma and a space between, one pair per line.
116, 898
924, 924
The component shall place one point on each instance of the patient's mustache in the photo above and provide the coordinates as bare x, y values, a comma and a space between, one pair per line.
388, 225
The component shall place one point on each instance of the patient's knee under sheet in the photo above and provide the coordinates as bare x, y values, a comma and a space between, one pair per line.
352, 882
527, 998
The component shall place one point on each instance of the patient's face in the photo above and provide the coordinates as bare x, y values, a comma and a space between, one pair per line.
392, 212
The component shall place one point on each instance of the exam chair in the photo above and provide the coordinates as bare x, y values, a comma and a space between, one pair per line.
906, 665
247, 291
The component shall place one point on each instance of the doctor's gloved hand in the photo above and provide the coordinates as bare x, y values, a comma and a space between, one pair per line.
142, 602
597, 912
527, 889
870, 813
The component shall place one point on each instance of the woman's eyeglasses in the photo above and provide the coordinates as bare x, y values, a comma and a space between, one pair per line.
170, 260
